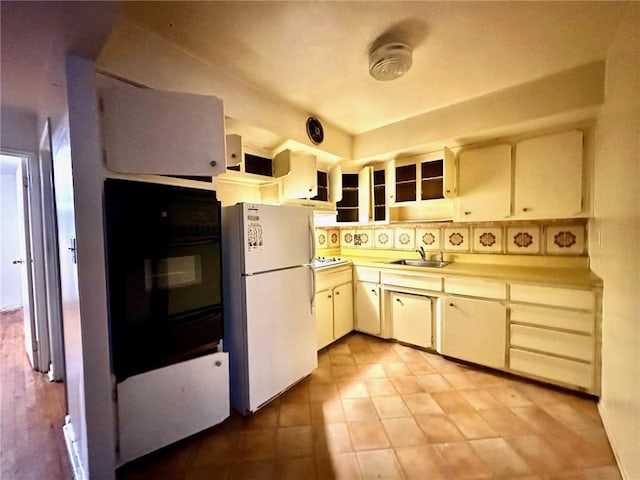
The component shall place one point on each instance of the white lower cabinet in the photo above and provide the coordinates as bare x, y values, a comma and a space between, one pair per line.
412, 319
334, 305
475, 331
368, 308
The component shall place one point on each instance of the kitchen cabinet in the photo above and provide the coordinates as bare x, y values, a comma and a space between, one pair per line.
368, 308
424, 178
553, 335
356, 191
334, 304
475, 330
484, 184
548, 176
381, 191
148, 131
412, 319
297, 173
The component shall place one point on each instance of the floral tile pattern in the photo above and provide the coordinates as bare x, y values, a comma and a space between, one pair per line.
322, 239
364, 237
487, 239
347, 237
428, 238
405, 238
565, 239
333, 235
523, 240
383, 238
456, 239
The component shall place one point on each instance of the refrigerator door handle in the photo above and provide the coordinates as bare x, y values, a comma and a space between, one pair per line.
312, 240
313, 287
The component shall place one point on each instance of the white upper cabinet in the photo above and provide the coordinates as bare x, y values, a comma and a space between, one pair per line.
167, 133
548, 176
484, 184
298, 174
335, 184
423, 178
364, 195
235, 153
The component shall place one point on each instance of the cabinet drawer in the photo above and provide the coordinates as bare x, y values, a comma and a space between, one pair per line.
559, 297
367, 274
328, 280
421, 282
561, 343
552, 368
553, 317
476, 288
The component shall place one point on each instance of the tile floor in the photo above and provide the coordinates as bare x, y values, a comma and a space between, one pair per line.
377, 409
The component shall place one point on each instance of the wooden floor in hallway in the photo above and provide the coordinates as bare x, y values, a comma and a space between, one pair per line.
32, 411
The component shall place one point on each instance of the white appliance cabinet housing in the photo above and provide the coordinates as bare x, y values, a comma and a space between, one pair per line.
166, 133
297, 172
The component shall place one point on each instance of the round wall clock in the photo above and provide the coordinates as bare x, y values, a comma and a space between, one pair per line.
315, 130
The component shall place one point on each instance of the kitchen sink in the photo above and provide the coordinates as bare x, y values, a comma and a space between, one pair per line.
421, 263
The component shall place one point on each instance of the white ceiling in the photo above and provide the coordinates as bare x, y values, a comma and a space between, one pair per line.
314, 55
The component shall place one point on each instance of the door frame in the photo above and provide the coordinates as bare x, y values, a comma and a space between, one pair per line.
34, 235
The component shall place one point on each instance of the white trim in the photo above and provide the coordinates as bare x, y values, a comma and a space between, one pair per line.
72, 450
612, 439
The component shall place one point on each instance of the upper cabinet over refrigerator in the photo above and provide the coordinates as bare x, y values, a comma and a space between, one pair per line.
167, 133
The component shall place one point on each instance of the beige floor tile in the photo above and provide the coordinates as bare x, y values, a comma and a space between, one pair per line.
257, 445
422, 404
597, 473
372, 371
421, 462
390, 407
217, 449
341, 359
387, 356
364, 358
505, 422
597, 437
434, 382
329, 411
538, 454
294, 468
342, 466
396, 369
358, 409
419, 367
405, 385
539, 420
379, 464
251, 471
294, 441
462, 462
500, 457
331, 438
341, 372
297, 393
460, 380
403, 432
452, 402
480, 399
442, 365
409, 354
321, 374
579, 452
439, 429
472, 425
353, 389
509, 396
266, 417
294, 414
571, 416
368, 435
379, 387
322, 391
340, 346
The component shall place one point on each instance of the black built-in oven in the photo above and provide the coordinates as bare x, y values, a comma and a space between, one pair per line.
164, 274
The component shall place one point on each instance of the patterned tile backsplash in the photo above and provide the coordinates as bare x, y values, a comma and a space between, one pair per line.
554, 237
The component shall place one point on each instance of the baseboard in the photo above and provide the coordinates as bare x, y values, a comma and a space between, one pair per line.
72, 451
612, 440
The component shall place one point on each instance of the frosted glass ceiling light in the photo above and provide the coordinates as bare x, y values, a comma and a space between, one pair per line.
390, 61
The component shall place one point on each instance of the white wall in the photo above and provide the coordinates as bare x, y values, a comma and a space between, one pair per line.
18, 130
614, 243
10, 281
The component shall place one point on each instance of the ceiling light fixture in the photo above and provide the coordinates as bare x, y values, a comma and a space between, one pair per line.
390, 61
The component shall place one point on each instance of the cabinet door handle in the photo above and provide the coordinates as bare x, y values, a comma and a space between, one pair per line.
526, 209
328, 296
467, 213
451, 305
218, 363
374, 292
337, 293
399, 301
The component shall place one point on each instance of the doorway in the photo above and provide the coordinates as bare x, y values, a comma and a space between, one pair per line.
29, 260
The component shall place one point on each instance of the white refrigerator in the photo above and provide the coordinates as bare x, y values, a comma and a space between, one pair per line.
268, 288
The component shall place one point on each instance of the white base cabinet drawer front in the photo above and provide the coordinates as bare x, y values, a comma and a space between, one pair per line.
475, 331
420, 282
553, 317
557, 297
328, 279
476, 288
552, 368
412, 319
564, 344
366, 274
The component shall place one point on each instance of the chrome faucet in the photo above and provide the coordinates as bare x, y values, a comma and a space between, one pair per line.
423, 255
